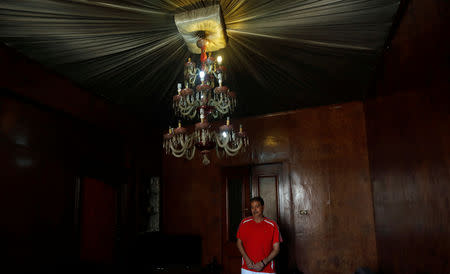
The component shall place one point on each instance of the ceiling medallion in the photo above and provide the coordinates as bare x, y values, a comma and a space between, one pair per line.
204, 95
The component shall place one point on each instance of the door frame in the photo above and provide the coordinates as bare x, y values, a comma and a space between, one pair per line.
236, 172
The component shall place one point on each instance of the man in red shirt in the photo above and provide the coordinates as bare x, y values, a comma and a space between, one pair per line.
258, 240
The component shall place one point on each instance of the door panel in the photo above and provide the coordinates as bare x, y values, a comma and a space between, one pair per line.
267, 189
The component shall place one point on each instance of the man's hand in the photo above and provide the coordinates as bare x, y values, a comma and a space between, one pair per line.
250, 264
258, 266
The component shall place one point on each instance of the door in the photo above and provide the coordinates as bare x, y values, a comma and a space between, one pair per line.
236, 206
270, 181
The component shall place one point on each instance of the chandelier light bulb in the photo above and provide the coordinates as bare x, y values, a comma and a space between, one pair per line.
219, 59
224, 134
202, 75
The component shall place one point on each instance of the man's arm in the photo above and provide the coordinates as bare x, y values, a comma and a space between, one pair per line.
260, 265
249, 262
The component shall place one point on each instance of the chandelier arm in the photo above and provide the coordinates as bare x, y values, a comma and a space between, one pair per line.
234, 150
225, 104
192, 115
231, 154
220, 153
185, 149
188, 111
179, 154
184, 145
182, 142
217, 152
223, 99
221, 110
220, 143
222, 105
191, 155
177, 151
225, 108
192, 101
186, 107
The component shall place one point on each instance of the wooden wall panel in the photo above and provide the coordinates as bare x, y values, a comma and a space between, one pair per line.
50, 132
192, 204
324, 150
418, 54
42, 152
408, 143
31, 80
330, 179
408, 137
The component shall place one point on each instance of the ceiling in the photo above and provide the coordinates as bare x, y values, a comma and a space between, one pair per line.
281, 54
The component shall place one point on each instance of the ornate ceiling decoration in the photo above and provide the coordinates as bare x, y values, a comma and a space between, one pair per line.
283, 55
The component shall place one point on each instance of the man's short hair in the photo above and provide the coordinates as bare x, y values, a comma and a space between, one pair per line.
257, 199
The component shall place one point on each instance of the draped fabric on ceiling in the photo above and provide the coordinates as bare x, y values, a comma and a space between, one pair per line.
281, 54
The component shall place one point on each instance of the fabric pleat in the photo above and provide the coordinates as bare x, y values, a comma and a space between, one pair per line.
281, 54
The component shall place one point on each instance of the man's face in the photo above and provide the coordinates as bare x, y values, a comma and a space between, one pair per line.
257, 209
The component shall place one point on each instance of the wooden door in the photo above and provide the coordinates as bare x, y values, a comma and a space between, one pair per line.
236, 206
270, 181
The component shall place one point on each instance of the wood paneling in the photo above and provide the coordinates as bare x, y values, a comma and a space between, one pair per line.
31, 80
51, 132
408, 137
192, 203
42, 152
330, 179
418, 54
408, 142
326, 162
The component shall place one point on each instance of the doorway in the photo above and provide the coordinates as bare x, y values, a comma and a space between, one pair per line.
239, 185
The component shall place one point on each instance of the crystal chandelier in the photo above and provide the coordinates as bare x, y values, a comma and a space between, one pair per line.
203, 96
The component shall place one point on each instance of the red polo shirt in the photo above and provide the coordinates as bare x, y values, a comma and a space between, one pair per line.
258, 240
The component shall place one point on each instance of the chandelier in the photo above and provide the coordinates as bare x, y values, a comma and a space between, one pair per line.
204, 95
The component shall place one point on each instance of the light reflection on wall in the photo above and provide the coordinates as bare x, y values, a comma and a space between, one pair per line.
24, 161
271, 141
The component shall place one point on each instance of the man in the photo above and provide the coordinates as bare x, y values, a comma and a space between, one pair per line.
258, 240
